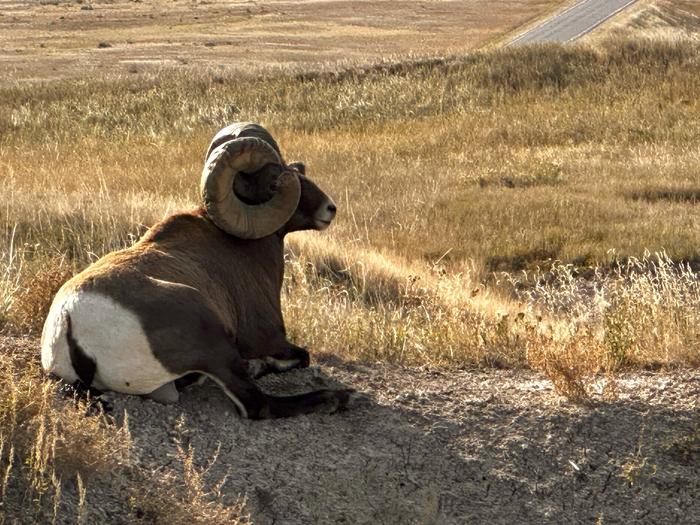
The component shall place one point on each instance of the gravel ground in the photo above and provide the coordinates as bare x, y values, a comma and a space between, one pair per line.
443, 447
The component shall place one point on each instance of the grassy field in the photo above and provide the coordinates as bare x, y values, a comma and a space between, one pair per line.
460, 168
528, 207
52, 39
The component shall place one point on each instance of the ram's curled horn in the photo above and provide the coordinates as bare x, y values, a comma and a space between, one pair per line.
246, 154
240, 130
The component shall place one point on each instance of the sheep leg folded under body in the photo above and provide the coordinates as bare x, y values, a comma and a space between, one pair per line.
282, 360
255, 404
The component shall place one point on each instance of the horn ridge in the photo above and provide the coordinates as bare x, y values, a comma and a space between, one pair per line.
242, 130
226, 210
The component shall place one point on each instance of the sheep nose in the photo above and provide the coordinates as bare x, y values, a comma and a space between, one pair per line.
331, 208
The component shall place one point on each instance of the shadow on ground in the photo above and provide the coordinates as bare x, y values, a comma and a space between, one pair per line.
438, 447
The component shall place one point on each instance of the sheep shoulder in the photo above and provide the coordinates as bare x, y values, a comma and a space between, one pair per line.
238, 279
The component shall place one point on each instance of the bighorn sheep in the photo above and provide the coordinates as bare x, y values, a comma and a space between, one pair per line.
200, 291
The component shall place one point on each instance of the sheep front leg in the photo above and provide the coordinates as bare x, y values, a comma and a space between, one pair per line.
253, 403
165, 395
287, 358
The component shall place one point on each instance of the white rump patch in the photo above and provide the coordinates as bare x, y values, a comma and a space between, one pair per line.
109, 334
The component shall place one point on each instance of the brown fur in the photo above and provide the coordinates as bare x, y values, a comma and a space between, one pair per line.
209, 301
238, 280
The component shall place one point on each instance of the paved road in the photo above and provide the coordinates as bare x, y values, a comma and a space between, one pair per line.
573, 22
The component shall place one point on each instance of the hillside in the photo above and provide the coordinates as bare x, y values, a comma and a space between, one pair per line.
512, 223
654, 19
57, 39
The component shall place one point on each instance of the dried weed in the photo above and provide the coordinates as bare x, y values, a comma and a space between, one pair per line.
34, 293
183, 498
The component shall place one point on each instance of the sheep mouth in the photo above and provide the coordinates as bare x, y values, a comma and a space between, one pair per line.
322, 224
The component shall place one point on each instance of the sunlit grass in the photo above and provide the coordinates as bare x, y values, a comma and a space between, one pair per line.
501, 210
507, 159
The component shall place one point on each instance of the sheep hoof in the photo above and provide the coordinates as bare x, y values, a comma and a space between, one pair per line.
166, 395
357, 400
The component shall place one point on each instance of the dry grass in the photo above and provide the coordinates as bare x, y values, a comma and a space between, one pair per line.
441, 144
653, 20
182, 498
361, 305
73, 39
495, 210
63, 461
33, 295
573, 365
48, 447
421, 157
644, 312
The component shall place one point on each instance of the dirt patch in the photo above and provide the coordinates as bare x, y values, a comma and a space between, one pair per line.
74, 39
443, 447
418, 447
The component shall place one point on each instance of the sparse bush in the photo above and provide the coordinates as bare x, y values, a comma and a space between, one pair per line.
35, 292
639, 312
653, 317
574, 365
182, 498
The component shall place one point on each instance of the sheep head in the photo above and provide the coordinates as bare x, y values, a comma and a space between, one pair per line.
248, 190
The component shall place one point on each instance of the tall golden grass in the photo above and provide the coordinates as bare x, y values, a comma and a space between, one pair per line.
447, 172
521, 207
421, 157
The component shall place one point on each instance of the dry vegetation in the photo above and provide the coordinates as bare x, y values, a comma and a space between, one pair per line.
653, 20
75, 38
50, 453
502, 209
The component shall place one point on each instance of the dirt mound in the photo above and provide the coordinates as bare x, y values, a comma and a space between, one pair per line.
439, 447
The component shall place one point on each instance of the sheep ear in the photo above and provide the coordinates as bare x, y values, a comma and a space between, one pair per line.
299, 166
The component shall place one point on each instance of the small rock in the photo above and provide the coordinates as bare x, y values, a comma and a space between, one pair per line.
103, 45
